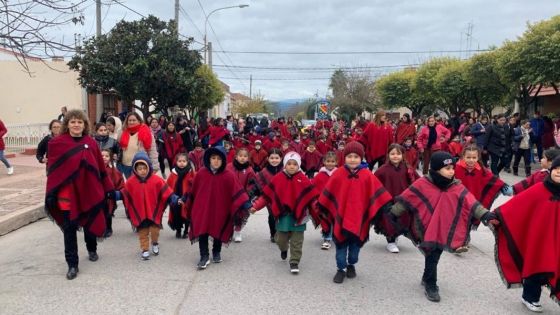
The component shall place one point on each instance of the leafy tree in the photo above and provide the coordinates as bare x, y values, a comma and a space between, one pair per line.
251, 106
143, 60
205, 92
452, 87
398, 89
425, 82
352, 93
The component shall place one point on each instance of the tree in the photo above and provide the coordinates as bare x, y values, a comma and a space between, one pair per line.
425, 83
257, 104
206, 91
452, 87
397, 89
144, 60
25, 25
352, 93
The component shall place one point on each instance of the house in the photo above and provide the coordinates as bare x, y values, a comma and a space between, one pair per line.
224, 108
548, 101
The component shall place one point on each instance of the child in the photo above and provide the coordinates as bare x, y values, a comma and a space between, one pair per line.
258, 156
118, 182
546, 162
230, 152
410, 154
196, 156
180, 180
311, 160
527, 237
455, 146
286, 147
320, 181
246, 177
104, 141
273, 167
172, 144
322, 146
291, 196
349, 202
340, 153
396, 177
215, 215
298, 145
441, 209
145, 196
444, 144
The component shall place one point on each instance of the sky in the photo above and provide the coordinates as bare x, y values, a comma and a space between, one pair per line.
412, 31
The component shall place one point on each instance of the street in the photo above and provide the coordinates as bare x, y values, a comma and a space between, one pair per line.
252, 277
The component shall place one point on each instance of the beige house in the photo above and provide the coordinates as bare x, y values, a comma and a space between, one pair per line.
36, 98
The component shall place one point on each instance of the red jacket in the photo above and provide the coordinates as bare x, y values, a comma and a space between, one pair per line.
376, 140
405, 130
311, 160
258, 157
3, 131
411, 157
424, 135
196, 158
455, 148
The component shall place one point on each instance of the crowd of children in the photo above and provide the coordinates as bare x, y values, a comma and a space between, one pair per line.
322, 175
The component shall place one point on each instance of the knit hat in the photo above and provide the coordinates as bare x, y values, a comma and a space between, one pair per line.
258, 142
354, 147
292, 156
440, 160
555, 163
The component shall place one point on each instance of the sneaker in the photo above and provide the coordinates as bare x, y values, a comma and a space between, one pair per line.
10, 170
351, 272
339, 277
532, 306
155, 249
272, 240
237, 237
216, 258
108, 233
432, 293
203, 263
284, 254
93, 256
392, 248
145, 255
462, 249
326, 245
294, 268
72, 273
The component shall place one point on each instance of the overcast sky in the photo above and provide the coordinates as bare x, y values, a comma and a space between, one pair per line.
331, 26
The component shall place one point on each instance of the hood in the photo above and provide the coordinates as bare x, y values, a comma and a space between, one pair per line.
215, 150
142, 157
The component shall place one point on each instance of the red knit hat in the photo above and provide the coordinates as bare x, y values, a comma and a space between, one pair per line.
354, 147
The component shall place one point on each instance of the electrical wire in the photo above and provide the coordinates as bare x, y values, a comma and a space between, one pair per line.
350, 52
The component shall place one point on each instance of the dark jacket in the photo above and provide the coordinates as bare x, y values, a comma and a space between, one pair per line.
42, 148
518, 136
498, 139
537, 124
477, 131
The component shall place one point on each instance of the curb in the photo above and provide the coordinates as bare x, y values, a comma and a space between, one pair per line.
21, 218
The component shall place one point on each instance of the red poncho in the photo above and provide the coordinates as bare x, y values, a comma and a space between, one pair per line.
181, 189
323, 147
411, 157
244, 174
78, 167
350, 202
528, 238
484, 185
311, 160
196, 157
145, 199
321, 179
118, 182
218, 203
376, 140
258, 157
537, 177
291, 195
340, 157
440, 218
405, 130
173, 145
217, 133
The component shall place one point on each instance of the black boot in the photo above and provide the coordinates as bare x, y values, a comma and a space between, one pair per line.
432, 293
515, 171
185, 233
178, 233
72, 273
527, 171
93, 256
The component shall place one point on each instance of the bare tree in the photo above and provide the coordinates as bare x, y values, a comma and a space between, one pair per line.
25, 26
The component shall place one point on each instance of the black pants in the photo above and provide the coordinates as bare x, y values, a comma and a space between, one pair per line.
161, 161
498, 162
532, 287
203, 246
109, 222
70, 230
526, 154
538, 142
380, 160
310, 173
271, 224
430, 267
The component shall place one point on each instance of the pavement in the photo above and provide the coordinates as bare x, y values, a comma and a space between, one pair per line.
252, 277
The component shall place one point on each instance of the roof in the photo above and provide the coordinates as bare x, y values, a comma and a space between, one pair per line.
11, 53
545, 91
239, 97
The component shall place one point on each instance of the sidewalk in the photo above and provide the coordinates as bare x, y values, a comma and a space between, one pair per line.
21, 194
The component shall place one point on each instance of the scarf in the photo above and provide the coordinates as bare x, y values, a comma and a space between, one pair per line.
181, 173
432, 136
274, 169
238, 166
156, 130
144, 136
440, 181
325, 170
101, 138
553, 187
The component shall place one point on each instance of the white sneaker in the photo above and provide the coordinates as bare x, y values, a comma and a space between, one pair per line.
155, 249
146, 255
533, 307
10, 170
237, 237
326, 245
392, 248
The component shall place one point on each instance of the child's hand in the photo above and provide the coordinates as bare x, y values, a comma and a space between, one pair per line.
180, 202
252, 210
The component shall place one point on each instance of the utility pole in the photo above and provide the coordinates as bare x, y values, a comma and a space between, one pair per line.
209, 55
98, 96
251, 86
177, 6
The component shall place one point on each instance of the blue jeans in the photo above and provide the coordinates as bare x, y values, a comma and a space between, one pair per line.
125, 170
328, 236
4, 160
347, 254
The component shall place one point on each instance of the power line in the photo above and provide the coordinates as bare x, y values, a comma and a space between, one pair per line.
129, 8
286, 79
184, 12
350, 52
321, 68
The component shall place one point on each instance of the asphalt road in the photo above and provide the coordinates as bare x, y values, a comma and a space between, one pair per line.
252, 277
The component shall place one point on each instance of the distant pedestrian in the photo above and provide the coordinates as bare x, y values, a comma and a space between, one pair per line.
136, 137
118, 182
498, 141
537, 125
376, 139
63, 111
3, 132
430, 140
55, 127
105, 142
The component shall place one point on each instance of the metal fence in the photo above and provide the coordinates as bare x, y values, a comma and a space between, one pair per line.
24, 136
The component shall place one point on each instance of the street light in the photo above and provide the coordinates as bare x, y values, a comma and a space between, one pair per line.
240, 6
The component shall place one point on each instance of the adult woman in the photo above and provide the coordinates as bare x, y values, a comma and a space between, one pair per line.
376, 138
77, 186
405, 129
55, 127
187, 131
136, 137
3, 131
114, 126
429, 141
